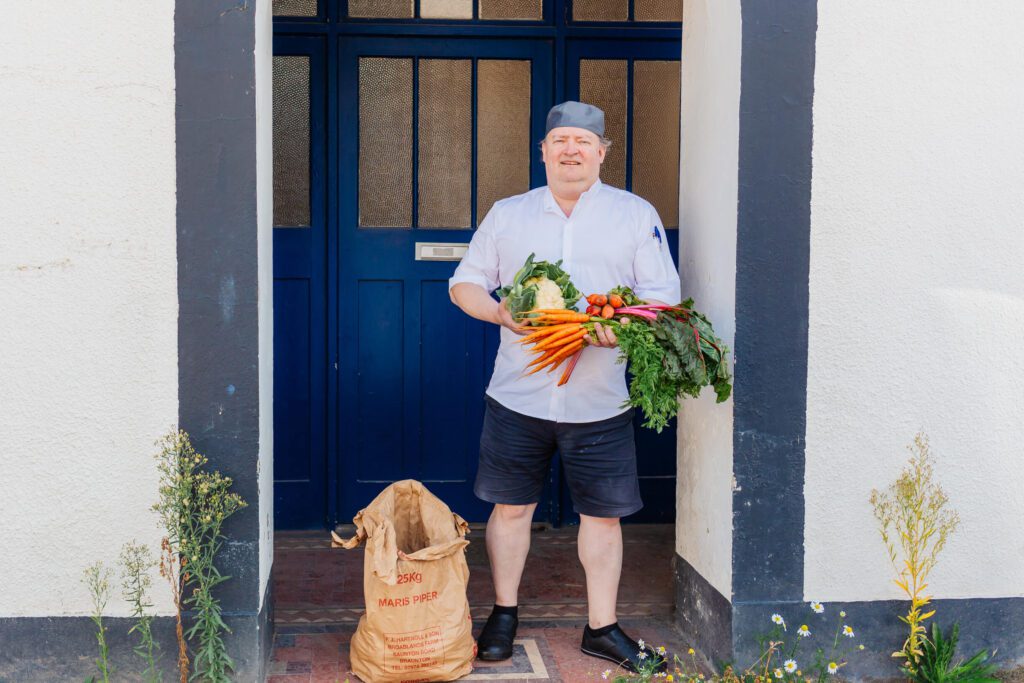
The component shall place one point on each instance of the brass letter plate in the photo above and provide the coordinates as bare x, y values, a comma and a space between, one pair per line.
441, 251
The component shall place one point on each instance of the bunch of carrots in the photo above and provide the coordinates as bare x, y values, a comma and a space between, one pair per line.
563, 332
560, 338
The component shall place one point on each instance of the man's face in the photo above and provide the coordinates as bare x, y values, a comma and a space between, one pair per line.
572, 155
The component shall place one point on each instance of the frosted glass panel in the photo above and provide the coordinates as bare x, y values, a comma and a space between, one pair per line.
294, 8
385, 142
656, 136
658, 10
445, 143
291, 141
603, 84
600, 10
512, 9
380, 9
502, 131
446, 9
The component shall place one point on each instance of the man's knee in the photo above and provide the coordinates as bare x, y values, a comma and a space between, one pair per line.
602, 522
514, 513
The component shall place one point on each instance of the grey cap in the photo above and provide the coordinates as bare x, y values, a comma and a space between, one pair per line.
576, 115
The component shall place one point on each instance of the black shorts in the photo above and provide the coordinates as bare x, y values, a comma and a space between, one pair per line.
599, 459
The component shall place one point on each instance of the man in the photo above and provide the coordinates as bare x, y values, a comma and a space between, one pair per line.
605, 237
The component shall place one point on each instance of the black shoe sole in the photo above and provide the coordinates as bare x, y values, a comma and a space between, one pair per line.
623, 663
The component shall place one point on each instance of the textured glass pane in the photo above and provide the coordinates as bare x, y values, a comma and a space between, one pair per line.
446, 9
658, 10
291, 141
385, 142
502, 131
512, 9
656, 136
603, 84
600, 10
445, 143
386, 9
294, 8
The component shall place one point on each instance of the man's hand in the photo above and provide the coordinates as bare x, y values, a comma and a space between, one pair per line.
505, 319
603, 337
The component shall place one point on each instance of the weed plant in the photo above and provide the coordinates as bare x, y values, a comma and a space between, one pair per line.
784, 656
915, 522
97, 580
193, 505
136, 564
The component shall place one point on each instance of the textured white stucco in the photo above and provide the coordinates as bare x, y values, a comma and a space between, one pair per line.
265, 281
88, 291
916, 286
707, 259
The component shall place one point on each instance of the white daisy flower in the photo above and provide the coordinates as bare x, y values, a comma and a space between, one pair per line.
606, 674
803, 631
847, 631
777, 619
817, 607
790, 665
641, 643
778, 673
642, 654
662, 650
832, 668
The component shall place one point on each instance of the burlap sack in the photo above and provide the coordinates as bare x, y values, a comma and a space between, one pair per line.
417, 626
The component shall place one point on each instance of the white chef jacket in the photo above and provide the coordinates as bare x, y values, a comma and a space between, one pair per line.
612, 237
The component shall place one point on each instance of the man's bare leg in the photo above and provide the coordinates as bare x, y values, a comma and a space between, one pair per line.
600, 549
508, 543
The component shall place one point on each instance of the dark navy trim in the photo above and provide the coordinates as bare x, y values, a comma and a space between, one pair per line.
218, 357
64, 648
989, 623
702, 613
772, 254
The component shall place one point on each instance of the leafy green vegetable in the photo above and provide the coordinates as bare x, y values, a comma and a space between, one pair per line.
522, 295
675, 355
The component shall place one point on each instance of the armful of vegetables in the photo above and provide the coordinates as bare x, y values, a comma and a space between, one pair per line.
672, 351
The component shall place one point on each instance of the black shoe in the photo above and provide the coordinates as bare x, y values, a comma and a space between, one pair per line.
618, 648
495, 641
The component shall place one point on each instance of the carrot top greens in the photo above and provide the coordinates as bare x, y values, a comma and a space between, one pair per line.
674, 354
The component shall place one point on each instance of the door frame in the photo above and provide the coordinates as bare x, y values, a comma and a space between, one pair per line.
332, 28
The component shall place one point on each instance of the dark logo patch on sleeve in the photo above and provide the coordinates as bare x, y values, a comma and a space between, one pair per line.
656, 234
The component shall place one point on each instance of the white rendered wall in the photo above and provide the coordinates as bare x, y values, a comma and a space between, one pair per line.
264, 249
916, 286
707, 261
88, 292
265, 281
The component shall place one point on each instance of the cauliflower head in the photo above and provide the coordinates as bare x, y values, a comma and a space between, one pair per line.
549, 294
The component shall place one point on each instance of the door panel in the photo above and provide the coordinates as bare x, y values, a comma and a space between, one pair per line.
636, 83
413, 368
299, 283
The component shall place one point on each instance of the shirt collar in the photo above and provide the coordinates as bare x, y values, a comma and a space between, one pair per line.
551, 205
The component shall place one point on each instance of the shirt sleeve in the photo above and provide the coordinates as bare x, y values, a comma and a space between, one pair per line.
656, 276
480, 264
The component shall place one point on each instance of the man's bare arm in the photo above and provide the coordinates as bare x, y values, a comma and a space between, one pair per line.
476, 302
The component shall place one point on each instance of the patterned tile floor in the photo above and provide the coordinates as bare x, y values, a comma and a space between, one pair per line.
318, 599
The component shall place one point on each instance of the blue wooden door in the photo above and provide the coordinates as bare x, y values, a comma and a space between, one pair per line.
423, 142
396, 126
